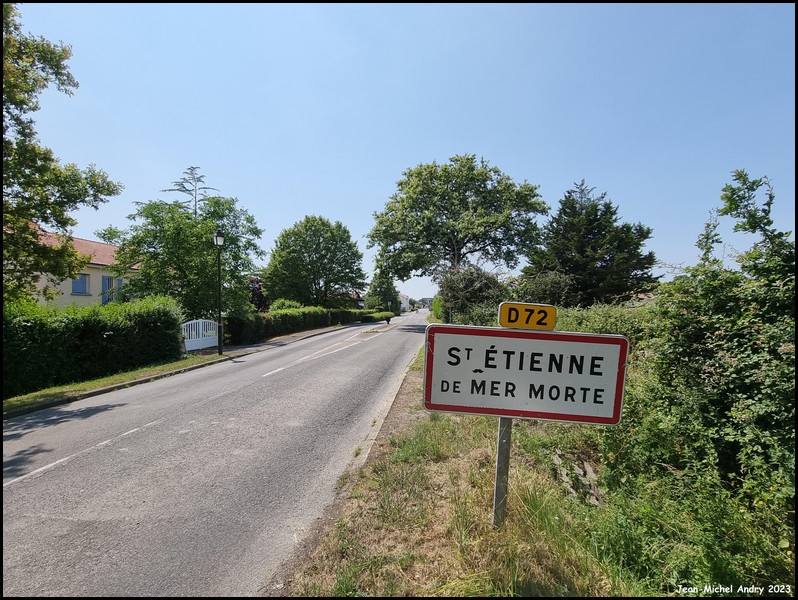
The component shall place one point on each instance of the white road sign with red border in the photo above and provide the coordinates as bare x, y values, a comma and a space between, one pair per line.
558, 376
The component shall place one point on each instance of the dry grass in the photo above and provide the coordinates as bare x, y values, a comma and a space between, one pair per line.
416, 520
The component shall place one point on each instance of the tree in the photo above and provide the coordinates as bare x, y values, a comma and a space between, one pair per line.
584, 241
175, 255
471, 295
382, 293
315, 262
445, 216
190, 184
547, 287
38, 192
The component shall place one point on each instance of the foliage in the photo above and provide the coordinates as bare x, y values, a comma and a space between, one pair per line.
290, 320
247, 328
444, 216
469, 286
175, 255
713, 420
438, 309
46, 346
547, 287
253, 328
284, 303
633, 320
190, 184
315, 262
38, 192
257, 295
584, 241
377, 316
738, 328
382, 293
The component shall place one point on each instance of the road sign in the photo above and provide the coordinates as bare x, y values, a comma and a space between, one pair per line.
527, 316
557, 376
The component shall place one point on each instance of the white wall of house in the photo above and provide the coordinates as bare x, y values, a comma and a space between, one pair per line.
92, 287
405, 300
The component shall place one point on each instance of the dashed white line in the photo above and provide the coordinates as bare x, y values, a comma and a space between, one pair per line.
70, 457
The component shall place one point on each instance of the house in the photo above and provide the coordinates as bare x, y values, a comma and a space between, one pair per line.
95, 284
405, 301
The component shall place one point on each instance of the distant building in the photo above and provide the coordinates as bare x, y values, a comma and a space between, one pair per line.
405, 301
426, 302
95, 283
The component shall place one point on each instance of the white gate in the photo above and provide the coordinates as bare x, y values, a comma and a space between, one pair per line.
201, 333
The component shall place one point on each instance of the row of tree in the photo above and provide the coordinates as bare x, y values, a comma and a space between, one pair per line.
442, 220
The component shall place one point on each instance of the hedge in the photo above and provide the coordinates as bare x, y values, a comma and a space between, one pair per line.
46, 346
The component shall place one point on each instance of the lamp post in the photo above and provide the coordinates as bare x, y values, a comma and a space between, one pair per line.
218, 241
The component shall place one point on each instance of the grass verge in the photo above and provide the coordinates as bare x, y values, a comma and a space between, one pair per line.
418, 519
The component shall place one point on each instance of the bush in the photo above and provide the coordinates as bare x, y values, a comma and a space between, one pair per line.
284, 304
707, 440
377, 316
438, 310
549, 287
46, 346
634, 321
250, 328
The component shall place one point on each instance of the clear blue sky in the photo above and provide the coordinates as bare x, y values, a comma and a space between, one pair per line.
318, 109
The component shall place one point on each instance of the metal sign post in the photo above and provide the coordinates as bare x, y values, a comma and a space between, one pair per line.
524, 316
502, 471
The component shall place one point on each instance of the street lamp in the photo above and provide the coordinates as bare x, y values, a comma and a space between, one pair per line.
218, 241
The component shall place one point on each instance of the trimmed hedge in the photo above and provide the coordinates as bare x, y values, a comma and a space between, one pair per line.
258, 327
378, 316
45, 346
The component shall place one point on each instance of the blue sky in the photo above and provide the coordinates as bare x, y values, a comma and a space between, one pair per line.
318, 109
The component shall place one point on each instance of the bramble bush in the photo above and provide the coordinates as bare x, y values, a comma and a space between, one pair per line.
706, 447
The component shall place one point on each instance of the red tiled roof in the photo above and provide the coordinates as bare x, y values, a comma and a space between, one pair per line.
100, 254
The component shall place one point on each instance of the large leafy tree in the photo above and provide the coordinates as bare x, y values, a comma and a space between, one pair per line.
585, 241
174, 255
38, 192
315, 262
443, 216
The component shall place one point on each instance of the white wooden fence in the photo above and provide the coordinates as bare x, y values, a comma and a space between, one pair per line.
201, 333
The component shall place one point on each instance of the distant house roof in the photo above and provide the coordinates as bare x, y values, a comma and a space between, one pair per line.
100, 254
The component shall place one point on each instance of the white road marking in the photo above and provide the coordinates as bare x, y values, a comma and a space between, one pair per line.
67, 458
321, 353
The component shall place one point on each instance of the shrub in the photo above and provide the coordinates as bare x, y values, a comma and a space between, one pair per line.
46, 346
377, 316
284, 304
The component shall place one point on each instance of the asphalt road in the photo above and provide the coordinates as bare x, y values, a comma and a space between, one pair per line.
199, 484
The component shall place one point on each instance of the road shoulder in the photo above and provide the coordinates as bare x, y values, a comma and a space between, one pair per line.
405, 413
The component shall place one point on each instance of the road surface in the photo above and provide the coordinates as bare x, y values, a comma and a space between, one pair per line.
199, 484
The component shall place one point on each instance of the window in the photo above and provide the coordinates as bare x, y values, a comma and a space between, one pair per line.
80, 286
109, 289
107, 292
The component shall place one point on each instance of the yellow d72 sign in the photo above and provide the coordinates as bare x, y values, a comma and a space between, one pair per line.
522, 315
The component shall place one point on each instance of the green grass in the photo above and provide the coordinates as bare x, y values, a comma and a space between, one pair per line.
78, 390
